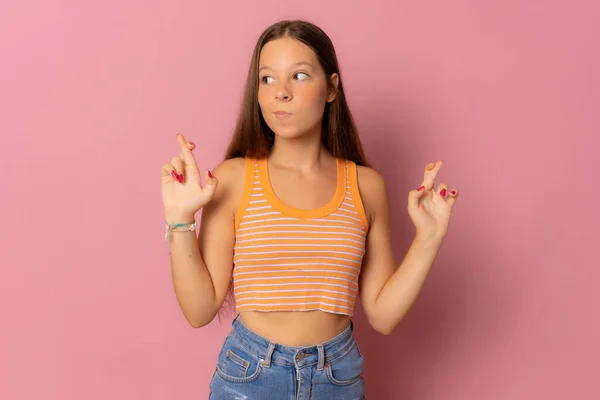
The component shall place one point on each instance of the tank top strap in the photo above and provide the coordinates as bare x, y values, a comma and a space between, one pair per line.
352, 195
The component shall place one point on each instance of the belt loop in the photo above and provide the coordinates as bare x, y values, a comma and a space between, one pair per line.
321, 363
267, 362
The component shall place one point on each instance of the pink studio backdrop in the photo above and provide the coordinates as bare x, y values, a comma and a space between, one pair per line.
506, 93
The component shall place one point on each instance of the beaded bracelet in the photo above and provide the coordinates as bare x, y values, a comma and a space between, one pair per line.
189, 228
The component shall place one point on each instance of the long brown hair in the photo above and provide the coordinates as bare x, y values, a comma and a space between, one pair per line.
253, 138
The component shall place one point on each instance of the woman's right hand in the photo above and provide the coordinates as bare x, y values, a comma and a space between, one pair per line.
181, 185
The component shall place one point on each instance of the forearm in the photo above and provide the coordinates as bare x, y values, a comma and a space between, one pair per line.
193, 285
402, 288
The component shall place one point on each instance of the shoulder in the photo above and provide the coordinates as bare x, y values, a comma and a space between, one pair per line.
230, 170
373, 191
230, 177
369, 179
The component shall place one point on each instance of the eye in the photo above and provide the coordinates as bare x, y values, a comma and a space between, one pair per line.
300, 76
265, 79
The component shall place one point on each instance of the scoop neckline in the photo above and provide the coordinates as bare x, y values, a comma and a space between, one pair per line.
326, 209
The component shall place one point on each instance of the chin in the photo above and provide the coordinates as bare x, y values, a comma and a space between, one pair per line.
290, 132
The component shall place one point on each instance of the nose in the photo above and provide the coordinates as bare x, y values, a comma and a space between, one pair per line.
283, 93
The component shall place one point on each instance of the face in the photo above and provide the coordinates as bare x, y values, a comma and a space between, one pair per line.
292, 88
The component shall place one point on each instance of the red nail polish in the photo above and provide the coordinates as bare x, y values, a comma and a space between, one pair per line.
421, 188
443, 192
453, 192
193, 144
210, 175
174, 174
180, 178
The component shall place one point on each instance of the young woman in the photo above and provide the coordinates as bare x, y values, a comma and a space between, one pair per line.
297, 225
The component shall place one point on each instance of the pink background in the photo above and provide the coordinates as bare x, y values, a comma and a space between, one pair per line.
507, 94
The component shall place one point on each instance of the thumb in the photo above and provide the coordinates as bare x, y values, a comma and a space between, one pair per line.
211, 184
414, 196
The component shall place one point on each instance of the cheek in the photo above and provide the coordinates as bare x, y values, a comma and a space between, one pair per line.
314, 98
262, 98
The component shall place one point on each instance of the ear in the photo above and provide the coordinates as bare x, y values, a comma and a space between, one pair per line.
335, 81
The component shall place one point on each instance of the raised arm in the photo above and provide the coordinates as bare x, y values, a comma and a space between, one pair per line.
201, 271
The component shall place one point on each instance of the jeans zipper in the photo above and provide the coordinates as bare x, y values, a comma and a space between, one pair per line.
298, 381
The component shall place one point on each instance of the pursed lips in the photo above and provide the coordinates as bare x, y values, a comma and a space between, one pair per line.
282, 114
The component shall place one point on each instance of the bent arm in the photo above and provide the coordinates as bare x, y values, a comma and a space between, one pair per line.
201, 281
388, 291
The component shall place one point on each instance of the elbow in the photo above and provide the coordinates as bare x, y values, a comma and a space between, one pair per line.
384, 330
382, 325
198, 321
201, 316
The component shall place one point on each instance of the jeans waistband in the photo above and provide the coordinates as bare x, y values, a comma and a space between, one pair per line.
274, 353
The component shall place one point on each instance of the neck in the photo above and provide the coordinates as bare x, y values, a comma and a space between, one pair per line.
305, 152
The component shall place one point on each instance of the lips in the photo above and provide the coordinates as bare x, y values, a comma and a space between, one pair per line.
282, 114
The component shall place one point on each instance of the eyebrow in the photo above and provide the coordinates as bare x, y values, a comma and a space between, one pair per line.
293, 65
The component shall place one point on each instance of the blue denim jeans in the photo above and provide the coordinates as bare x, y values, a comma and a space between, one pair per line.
251, 367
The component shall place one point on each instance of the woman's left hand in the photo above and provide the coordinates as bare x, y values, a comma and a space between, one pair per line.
430, 209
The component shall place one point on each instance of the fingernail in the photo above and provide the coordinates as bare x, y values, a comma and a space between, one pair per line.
192, 144
453, 192
174, 174
180, 178
443, 192
421, 188
210, 175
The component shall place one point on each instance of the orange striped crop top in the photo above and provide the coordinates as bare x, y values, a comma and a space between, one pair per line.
290, 259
